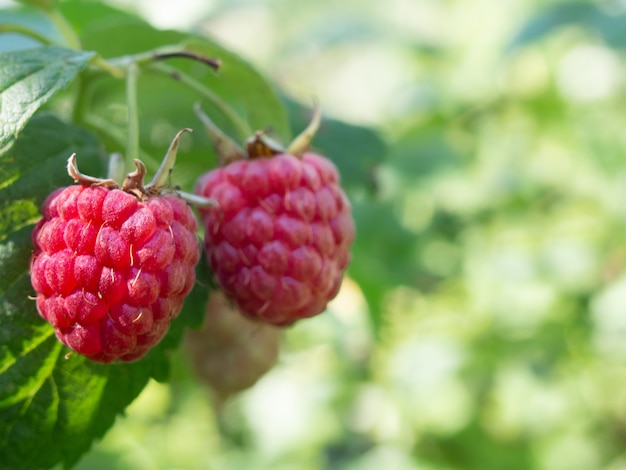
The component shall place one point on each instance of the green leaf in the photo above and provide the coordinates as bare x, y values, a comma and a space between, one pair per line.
73, 403
53, 406
382, 254
31, 77
609, 26
423, 152
550, 19
31, 18
36, 165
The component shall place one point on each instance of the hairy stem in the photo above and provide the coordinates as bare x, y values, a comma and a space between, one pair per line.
65, 29
99, 62
240, 125
213, 63
132, 145
199, 202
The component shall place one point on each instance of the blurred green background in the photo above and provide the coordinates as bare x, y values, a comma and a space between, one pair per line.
482, 324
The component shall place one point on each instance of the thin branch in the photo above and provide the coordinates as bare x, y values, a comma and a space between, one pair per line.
19, 29
240, 125
132, 146
213, 63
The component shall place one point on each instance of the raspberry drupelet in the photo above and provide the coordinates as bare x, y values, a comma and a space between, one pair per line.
111, 267
278, 242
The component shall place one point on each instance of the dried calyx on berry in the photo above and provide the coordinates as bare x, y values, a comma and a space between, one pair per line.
279, 241
112, 265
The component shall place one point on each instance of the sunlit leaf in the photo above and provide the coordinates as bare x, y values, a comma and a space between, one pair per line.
54, 404
30, 78
608, 25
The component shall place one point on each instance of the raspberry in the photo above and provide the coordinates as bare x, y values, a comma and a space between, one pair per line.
231, 352
111, 266
279, 241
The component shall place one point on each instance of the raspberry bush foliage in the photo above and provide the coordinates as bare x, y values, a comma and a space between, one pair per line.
480, 323
84, 78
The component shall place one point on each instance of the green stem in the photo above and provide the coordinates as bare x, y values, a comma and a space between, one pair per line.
199, 202
115, 72
240, 125
18, 28
215, 64
151, 60
85, 84
64, 28
144, 59
132, 146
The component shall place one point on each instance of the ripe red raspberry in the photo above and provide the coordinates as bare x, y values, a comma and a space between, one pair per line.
111, 268
231, 352
279, 241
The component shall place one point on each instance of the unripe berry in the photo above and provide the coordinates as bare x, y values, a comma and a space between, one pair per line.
231, 352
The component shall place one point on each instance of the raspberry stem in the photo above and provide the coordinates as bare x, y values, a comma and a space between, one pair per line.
199, 202
149, 58
66, 30
132, 148
240, 125
213, 63
25, 31
103, 64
